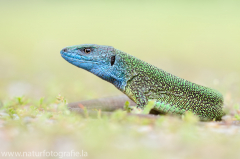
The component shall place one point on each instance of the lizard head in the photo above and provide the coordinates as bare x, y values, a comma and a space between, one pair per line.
89, 56
103, 61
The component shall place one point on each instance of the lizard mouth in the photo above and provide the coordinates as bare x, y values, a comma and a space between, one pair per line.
73, 57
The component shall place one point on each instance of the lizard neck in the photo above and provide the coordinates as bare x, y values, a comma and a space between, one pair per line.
120, 72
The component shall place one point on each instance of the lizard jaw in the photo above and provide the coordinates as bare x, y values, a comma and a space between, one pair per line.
78, 60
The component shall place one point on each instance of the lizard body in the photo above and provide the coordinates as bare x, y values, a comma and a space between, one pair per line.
143, 82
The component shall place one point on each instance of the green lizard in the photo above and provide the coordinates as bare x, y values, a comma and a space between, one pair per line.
143, 82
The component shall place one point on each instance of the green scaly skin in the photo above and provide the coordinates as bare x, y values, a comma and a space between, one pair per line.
143, 82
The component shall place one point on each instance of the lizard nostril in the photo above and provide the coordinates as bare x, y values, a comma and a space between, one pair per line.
65, 50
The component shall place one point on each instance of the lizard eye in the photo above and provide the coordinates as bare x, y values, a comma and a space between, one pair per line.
87, 51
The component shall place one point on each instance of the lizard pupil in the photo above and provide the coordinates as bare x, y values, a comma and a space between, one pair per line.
112, 60
87, 51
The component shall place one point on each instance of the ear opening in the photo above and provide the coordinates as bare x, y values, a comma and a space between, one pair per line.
112, 60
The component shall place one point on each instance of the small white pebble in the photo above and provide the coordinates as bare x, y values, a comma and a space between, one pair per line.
15, 117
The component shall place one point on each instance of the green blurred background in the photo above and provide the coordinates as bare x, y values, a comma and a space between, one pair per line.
196, 40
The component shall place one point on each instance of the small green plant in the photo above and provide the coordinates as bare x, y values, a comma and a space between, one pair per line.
127, 106
237, 113
148, 107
